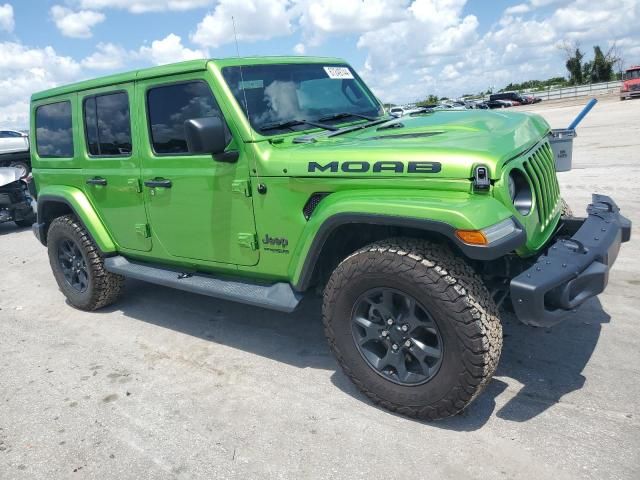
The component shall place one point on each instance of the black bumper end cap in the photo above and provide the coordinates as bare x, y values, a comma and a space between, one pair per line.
574, 269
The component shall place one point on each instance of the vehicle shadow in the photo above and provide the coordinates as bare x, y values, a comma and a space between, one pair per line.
8, 228
548, 363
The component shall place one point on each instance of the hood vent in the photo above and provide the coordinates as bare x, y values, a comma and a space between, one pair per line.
405, 135
312, 203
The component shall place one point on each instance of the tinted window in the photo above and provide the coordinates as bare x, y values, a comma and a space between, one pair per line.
107, 124
170, 106
54, 136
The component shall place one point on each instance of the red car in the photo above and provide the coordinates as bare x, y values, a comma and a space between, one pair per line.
631, 85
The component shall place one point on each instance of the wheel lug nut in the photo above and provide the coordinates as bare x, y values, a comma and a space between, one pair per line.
390, 321
405, 328
385, 333
394, 346
407, 343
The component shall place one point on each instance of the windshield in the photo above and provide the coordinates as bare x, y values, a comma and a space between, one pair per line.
632, 74
278, 97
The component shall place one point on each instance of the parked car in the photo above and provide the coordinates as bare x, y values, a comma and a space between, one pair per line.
16, 202
397, 111
631, 83
14, 150
498, 104
415, 231
514, 97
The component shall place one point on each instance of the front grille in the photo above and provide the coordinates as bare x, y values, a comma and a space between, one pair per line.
635, 87
541, 169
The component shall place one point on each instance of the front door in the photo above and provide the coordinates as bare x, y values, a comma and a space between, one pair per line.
199, 208
111, 164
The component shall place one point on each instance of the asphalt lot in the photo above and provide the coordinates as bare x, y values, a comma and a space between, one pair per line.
172, 385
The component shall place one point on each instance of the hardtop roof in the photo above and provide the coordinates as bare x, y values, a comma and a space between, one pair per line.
174, 69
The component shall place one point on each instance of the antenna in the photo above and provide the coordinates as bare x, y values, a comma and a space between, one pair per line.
244, 95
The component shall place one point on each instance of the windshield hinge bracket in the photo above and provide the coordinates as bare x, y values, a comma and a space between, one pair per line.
241, 186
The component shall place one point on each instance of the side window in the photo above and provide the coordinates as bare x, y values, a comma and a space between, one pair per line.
107, 124
54, 135
169, 106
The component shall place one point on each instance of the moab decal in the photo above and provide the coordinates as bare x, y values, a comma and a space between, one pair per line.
377, 167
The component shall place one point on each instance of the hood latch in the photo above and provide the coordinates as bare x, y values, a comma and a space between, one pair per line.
481, 179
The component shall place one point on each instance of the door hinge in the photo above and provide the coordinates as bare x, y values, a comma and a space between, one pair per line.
143, 230
248, 240
134, 183
241, 186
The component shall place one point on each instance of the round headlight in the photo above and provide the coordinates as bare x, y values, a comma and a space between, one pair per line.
512, 188
520, 192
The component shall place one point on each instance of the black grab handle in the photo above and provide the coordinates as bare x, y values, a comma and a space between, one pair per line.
97, 181
158, 183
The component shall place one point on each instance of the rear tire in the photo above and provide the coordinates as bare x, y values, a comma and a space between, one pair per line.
459, 319
78, 266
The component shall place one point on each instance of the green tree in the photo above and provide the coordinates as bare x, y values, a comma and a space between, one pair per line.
430, 100
574, 65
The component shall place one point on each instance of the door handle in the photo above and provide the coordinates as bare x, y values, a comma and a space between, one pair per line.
158, 183
97, 181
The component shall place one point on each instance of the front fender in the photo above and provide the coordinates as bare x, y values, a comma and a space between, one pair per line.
77, 201
441, 212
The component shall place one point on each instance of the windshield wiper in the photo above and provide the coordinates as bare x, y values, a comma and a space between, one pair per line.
292, 123
338, 116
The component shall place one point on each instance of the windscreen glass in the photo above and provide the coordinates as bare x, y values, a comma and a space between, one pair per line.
277, 94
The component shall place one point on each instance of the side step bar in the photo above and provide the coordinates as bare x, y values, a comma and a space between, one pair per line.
278, 296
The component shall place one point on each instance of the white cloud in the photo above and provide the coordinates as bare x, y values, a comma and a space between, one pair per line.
519, 8
168, 50
75, 24
7, 22
299, 48
24, 70
254, 20
320, 18
106, 57
142, 6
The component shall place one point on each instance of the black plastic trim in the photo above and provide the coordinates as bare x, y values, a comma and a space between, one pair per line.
497, 250
40, 228
573, 269
277, 296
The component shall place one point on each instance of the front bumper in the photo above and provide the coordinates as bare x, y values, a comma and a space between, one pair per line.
630, 94
573, 269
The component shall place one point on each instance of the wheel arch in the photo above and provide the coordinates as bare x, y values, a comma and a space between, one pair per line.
344, 233
54, 204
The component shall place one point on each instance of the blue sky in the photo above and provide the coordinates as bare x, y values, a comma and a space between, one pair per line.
405, 49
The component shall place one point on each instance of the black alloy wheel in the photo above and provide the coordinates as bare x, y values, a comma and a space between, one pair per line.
73, 265
396, 336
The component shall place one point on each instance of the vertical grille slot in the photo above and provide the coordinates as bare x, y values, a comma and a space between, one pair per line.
540, 167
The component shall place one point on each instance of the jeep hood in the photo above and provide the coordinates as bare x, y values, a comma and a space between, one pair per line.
456, 140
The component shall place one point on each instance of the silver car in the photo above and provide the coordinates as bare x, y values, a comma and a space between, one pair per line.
14, 150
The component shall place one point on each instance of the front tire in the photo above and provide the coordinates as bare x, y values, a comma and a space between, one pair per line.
78, 266
437, 313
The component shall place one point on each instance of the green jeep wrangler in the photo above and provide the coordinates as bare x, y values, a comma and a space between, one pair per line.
259, 179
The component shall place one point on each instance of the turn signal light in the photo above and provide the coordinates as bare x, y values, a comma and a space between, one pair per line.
472, 237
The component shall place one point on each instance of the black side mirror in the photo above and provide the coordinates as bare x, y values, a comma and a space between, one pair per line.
208, 135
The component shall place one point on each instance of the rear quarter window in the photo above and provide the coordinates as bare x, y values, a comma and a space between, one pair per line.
54, 130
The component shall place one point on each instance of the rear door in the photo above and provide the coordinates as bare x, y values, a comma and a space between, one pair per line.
111, 164
199, 208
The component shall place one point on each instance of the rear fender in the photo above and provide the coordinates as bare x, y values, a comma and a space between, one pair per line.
78, 203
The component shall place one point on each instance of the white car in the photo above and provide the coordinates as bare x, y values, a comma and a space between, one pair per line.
14, 150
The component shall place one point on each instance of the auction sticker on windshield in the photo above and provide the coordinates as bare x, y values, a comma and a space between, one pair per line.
338, 73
